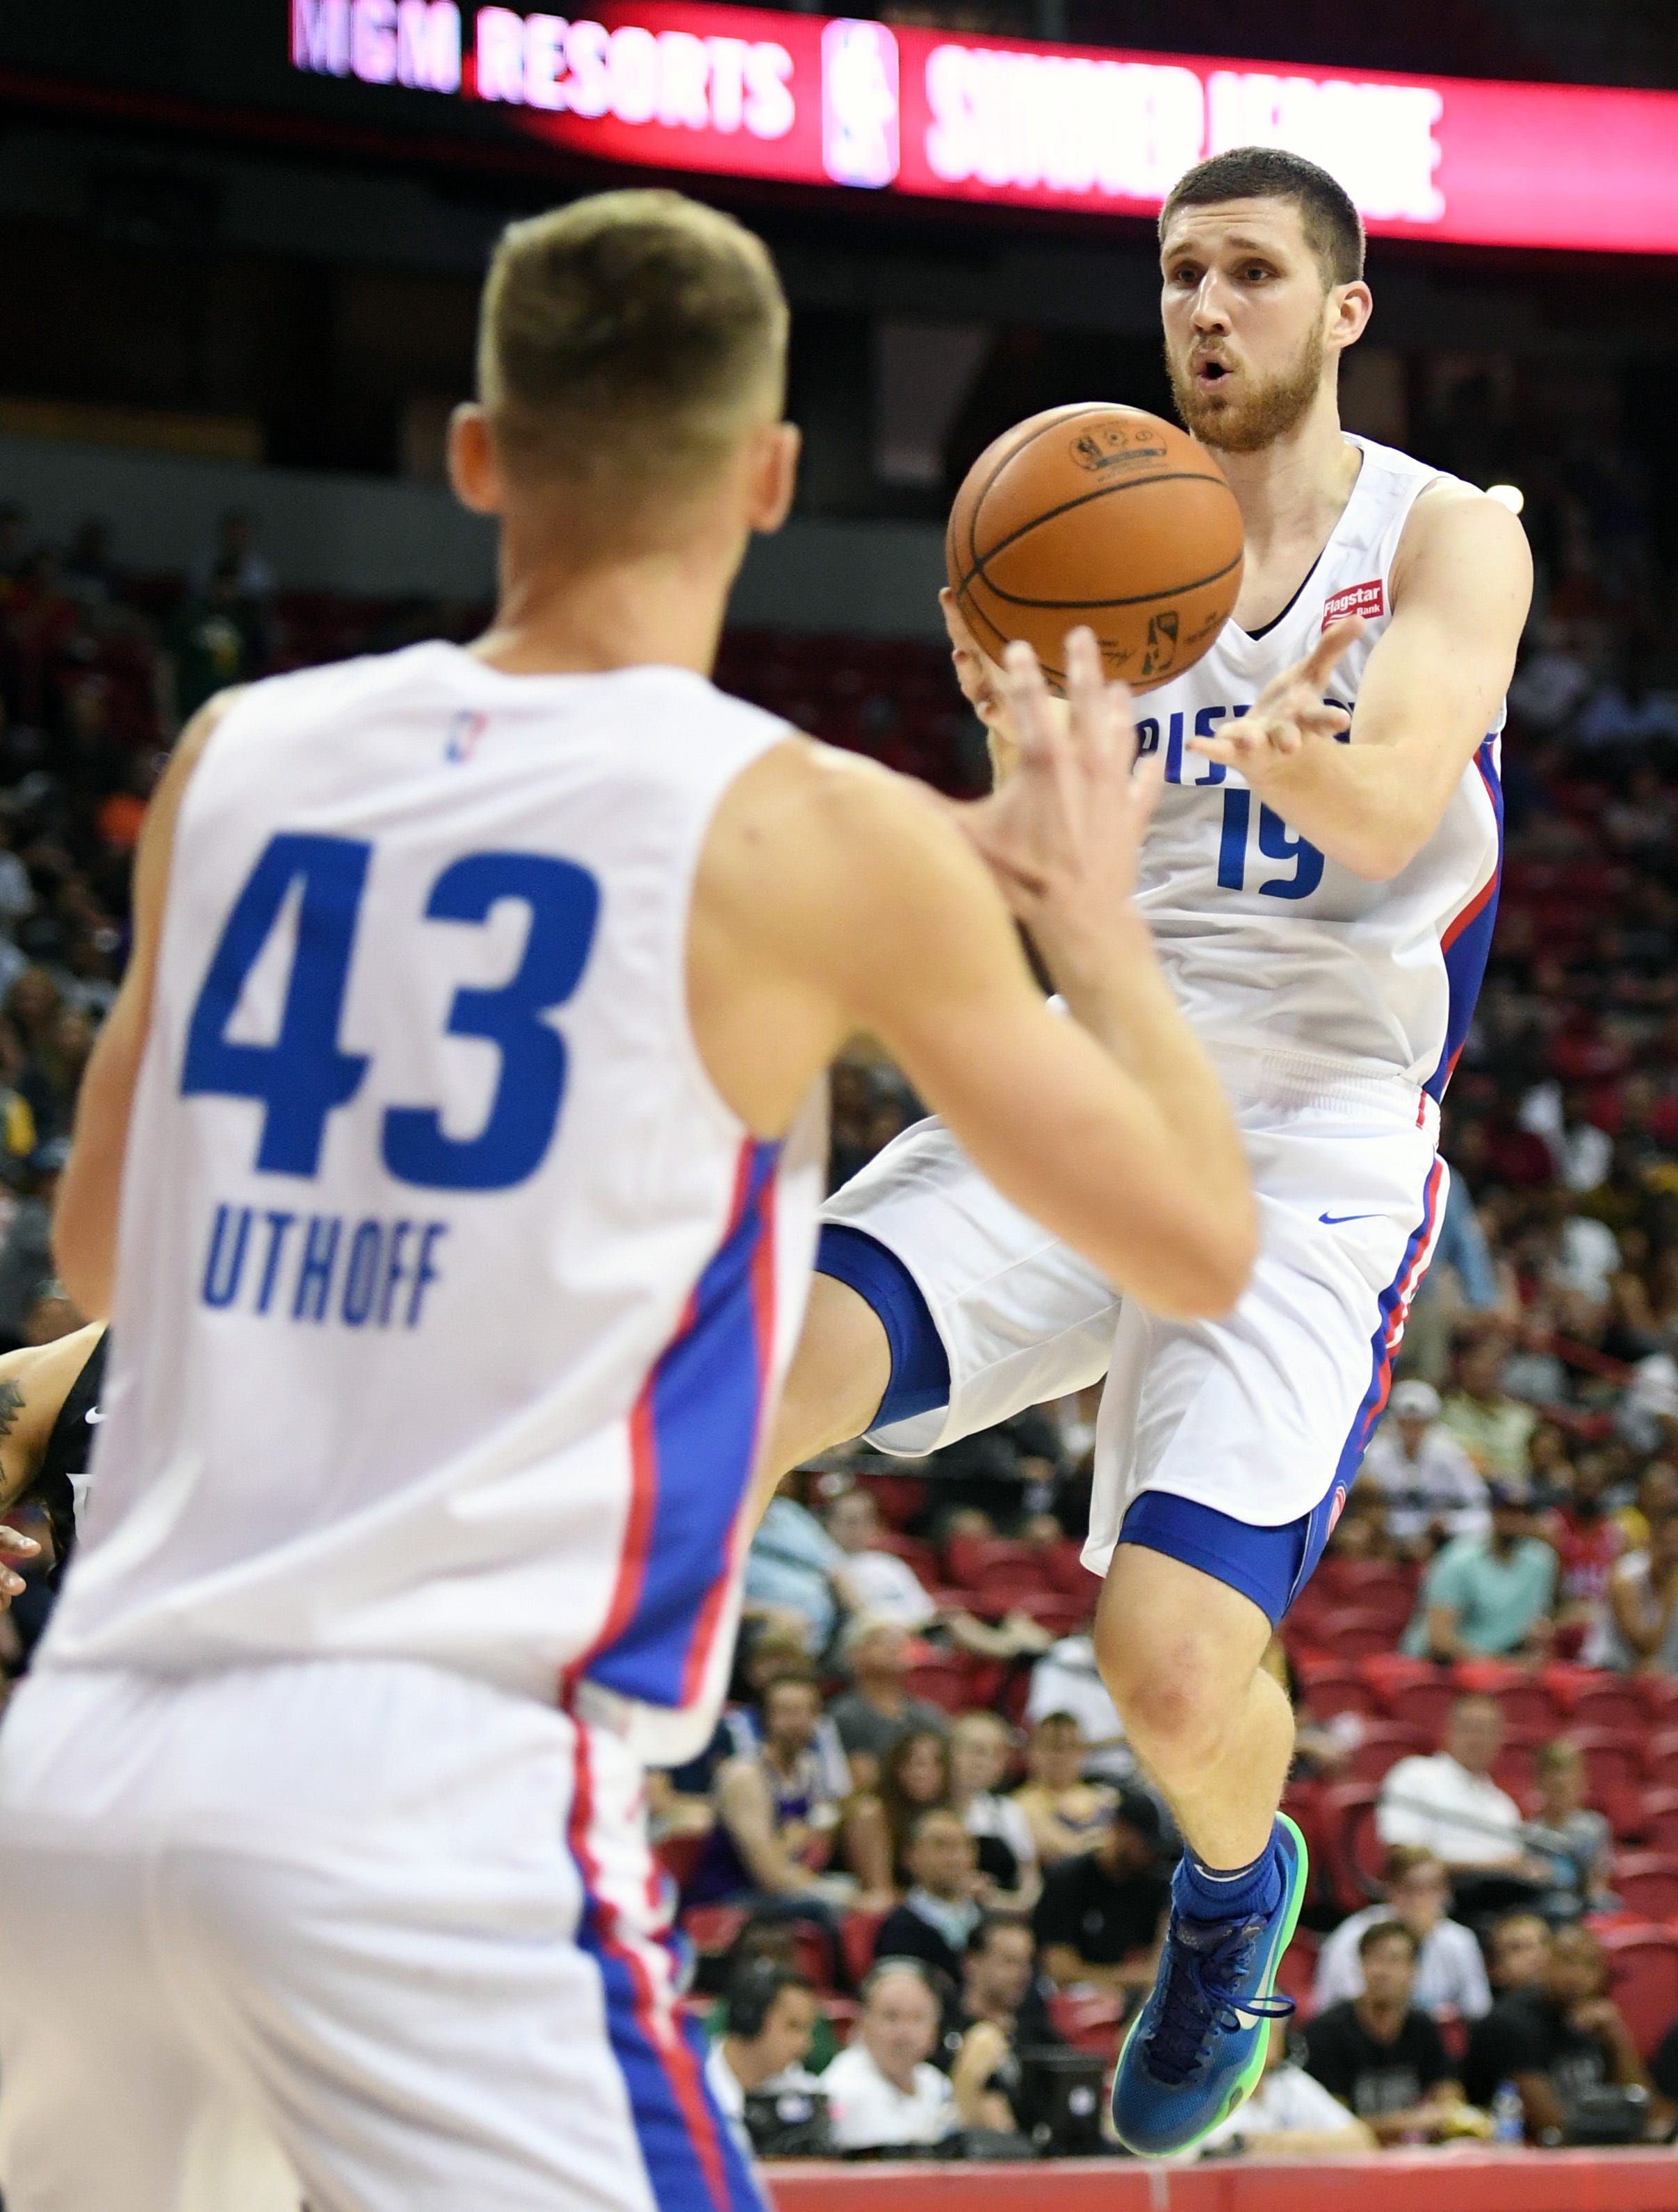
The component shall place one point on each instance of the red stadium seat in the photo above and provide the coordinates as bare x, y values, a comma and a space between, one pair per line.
943, 1681
901, 1497
1657, 1819
920, 1556
1086, 2020
842, 2014
1064, 1566
1643, 1979
1059, 1613
1424, 1705
1351, 1631
1383, 1744
1659, 1694
857, 1931
1660, 1757
1646, 1883
1353, 1851
1614, 1760
1020, 1573
1607, 1701
679, 1857
1329, 1686
712, 1928
1530, 1702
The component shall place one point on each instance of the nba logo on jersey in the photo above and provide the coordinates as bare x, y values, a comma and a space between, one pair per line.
465, 731
1368, 599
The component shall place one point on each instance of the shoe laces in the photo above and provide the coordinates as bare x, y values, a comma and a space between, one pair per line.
1202, 1999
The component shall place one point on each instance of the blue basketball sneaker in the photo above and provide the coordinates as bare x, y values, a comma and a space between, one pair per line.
1195, 2051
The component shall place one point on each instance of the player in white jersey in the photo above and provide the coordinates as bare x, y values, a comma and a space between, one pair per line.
451, 1152
1323, 904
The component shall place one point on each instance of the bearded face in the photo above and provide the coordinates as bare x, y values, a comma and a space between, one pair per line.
1229, 406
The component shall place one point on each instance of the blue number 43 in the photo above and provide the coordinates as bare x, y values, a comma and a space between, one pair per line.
304, 1076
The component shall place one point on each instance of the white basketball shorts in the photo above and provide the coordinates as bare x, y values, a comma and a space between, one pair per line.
1258, 1420
365, 1935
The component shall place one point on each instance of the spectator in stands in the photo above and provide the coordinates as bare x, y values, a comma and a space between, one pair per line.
1640, 1634
26, 1248
939, 1911
1562, 2036
1488, 1596
214, 639
878, 1707
770, 2015
236, 554
1450, 1974
1491, 1426
980, 1748
1066, 1680
775, 1822
1656, 1497
914, 1777
1588, 1542
1101, 1918
1065, 1814
795, 1579
1518, 1952
1574, 1842
883, 1583
1449, 1804
1290, 2115
1381, 2056
775, 1942
1431, 1489
883, 2092
681, 1801
1002, 2011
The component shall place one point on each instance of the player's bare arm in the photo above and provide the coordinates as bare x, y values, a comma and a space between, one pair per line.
34, 1381
1461, 583
84, 1229
834, 897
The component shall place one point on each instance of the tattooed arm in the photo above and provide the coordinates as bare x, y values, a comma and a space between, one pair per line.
34, 1385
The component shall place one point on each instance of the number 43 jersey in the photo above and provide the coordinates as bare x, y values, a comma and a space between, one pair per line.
1273, 949
450, 1294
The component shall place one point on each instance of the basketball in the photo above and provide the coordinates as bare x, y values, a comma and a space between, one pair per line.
1100, 515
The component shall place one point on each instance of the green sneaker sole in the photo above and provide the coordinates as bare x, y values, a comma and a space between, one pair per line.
1252, 2073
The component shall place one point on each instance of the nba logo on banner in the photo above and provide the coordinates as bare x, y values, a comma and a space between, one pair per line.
859, 103
1369, 599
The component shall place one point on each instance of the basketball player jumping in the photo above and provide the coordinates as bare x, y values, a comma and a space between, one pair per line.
453, 1151
1323, 910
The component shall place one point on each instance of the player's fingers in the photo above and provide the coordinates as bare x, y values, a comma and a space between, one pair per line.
1027, 697
1320, 662
1221, 750
15, 1545
1088, 715
1146, 783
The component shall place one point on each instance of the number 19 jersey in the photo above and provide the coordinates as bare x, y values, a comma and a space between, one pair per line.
1275, 951
450, 1295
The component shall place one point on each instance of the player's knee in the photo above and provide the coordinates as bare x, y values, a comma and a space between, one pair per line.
1174, 1713
838, 1374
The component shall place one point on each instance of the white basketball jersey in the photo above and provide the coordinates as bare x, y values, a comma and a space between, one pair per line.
1272, 947
450, 1294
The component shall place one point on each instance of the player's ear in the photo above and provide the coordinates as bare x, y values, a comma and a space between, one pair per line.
772, 474
1351, 307
474, 468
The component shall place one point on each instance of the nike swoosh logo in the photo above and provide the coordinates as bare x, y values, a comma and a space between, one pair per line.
93, 1416
1333, 1220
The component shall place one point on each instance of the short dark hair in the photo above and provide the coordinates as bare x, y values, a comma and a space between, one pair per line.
1382, 1931
979, 1935
753, 1992
1334, 228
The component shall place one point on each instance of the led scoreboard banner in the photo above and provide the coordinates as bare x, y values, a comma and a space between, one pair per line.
872, 108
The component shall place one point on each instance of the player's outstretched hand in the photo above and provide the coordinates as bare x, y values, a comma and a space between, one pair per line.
1061, 836
1288, 713
14, 1544
983, 687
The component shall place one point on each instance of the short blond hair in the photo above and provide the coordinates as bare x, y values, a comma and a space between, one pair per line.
628, 340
